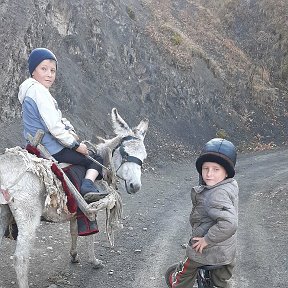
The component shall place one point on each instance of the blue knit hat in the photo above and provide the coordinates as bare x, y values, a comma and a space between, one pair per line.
37, 56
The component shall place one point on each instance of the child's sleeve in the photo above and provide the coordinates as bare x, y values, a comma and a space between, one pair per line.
52, 118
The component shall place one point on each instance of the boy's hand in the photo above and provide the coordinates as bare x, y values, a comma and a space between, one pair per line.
199, 244
82, 149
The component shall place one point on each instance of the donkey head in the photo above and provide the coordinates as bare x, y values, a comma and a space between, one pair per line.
129, 153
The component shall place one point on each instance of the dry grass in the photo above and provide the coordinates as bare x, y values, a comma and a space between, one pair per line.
196, 36
200, 31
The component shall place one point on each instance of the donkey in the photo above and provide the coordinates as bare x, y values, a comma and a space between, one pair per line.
28, 191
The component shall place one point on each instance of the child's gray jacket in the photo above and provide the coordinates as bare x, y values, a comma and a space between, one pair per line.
215, 216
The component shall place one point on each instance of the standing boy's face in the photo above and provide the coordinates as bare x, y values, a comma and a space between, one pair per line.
45, 73
213, 173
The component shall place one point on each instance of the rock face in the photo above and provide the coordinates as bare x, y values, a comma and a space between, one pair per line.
193, 68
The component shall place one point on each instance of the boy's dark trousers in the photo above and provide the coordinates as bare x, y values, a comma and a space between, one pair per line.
185, 276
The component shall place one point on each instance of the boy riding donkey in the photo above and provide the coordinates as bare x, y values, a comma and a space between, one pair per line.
214, 218
40, 111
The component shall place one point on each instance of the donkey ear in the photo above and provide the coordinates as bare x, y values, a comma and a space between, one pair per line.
141, 129
119, 125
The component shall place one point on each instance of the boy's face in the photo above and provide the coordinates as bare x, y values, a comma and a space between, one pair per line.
45, 73
213, 173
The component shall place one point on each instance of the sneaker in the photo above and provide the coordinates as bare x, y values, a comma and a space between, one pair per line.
90, 192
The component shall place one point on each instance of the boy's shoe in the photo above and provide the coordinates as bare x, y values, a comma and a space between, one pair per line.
90, 192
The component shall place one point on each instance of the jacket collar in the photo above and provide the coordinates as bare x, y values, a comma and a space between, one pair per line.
199, 189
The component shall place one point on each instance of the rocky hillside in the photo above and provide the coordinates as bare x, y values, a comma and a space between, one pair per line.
195, 68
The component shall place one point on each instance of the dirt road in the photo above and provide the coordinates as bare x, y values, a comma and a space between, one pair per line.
156, 227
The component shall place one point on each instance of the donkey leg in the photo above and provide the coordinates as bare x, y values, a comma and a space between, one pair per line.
5, 218
89, 243
97, 263
27, 222
74, 236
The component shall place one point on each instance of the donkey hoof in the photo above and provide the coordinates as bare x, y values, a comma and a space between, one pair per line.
97, 264
75, 259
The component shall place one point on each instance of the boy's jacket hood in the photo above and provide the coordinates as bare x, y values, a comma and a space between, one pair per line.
24, 87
